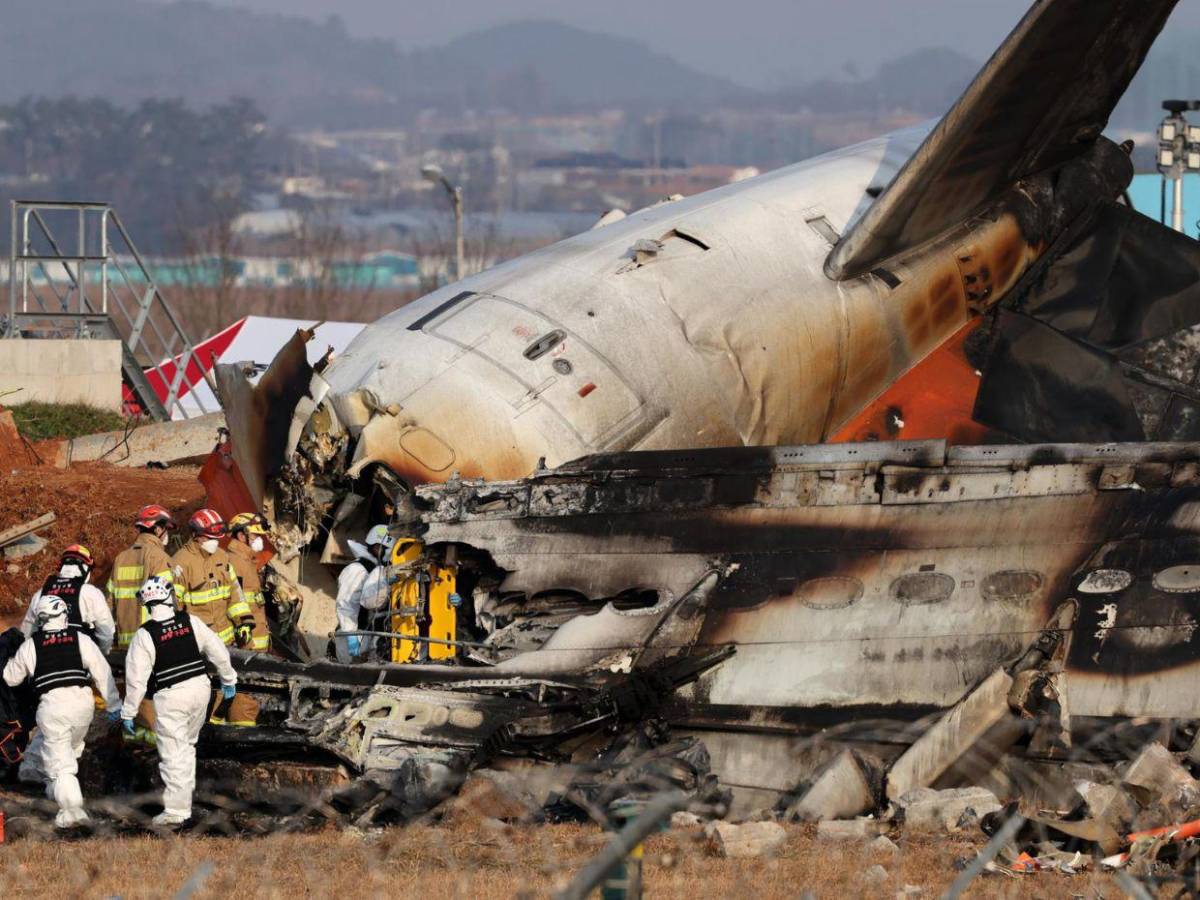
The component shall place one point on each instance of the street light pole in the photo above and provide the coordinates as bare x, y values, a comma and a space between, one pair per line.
1178, 151
437, 176
457, 200
1177, 209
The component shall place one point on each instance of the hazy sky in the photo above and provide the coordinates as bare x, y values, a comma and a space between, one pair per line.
757, 42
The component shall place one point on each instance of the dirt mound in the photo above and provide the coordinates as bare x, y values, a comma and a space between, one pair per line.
94, 503
13, 450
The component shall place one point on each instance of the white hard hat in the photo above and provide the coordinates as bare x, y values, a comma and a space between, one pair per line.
378, 535
156, 590
50, 607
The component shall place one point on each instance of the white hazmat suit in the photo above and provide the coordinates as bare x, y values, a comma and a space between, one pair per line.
361, 585
179, 710
64, 715
94, 611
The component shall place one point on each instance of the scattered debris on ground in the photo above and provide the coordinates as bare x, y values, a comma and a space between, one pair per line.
477, 859
746, 841
22, 540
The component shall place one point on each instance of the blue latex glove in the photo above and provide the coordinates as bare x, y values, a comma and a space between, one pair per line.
113, 716
127, 726
227, 691
353, 644
455, 601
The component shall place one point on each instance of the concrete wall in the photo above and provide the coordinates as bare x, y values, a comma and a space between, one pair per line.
185, 440
53, 371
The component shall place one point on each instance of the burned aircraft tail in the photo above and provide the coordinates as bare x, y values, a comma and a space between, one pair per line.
1041, 101
1063, 356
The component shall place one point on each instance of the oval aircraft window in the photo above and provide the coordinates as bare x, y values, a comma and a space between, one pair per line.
544, 344
1105, 581
1178, 579
922, 588
833, 592
1011, 584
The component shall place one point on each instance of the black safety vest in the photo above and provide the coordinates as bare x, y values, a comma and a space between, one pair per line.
59, 662
69, 590
177, 654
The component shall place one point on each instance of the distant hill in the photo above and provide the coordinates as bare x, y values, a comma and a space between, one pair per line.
584, 67
308, 73
926, 82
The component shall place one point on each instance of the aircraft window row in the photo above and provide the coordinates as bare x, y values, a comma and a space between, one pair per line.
916, 588
927, 588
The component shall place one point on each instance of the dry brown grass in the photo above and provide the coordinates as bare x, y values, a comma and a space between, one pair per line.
475, 860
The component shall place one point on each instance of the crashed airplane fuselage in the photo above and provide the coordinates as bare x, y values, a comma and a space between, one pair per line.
987, 260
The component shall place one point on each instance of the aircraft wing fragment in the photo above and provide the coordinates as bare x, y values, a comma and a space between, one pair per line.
1042, 100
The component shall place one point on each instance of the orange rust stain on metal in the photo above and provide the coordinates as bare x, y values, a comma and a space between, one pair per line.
501, 466
934, 399
925, 316
944, 302
989, 269
1008, 256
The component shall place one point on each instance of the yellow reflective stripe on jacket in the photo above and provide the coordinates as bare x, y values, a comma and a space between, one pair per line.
226, 635
200, 598
261, 642
254, 597
128, 573
124, 639
238, 610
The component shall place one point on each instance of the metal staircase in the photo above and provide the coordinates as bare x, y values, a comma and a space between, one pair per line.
84, 278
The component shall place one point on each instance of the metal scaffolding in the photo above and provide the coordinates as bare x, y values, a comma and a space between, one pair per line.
86, 279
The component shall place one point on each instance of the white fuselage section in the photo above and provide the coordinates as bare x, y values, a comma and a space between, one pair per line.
707, 321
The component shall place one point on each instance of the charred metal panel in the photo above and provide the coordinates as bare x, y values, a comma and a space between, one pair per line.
854, 584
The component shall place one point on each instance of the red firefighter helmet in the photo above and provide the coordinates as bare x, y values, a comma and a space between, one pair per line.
150, 516
207, 522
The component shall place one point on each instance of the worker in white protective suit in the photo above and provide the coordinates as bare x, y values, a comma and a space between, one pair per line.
87, 611
166, 662
362, 585
63, 663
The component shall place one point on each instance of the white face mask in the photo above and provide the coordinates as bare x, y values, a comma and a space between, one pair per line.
210, 545
256, 544
166, 537
70, 570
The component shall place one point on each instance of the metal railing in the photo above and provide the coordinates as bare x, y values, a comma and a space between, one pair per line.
93, 283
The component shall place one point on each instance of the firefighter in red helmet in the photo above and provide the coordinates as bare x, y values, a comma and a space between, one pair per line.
145, 558
207, 587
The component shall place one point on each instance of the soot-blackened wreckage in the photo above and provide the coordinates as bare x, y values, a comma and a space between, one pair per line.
903, 427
